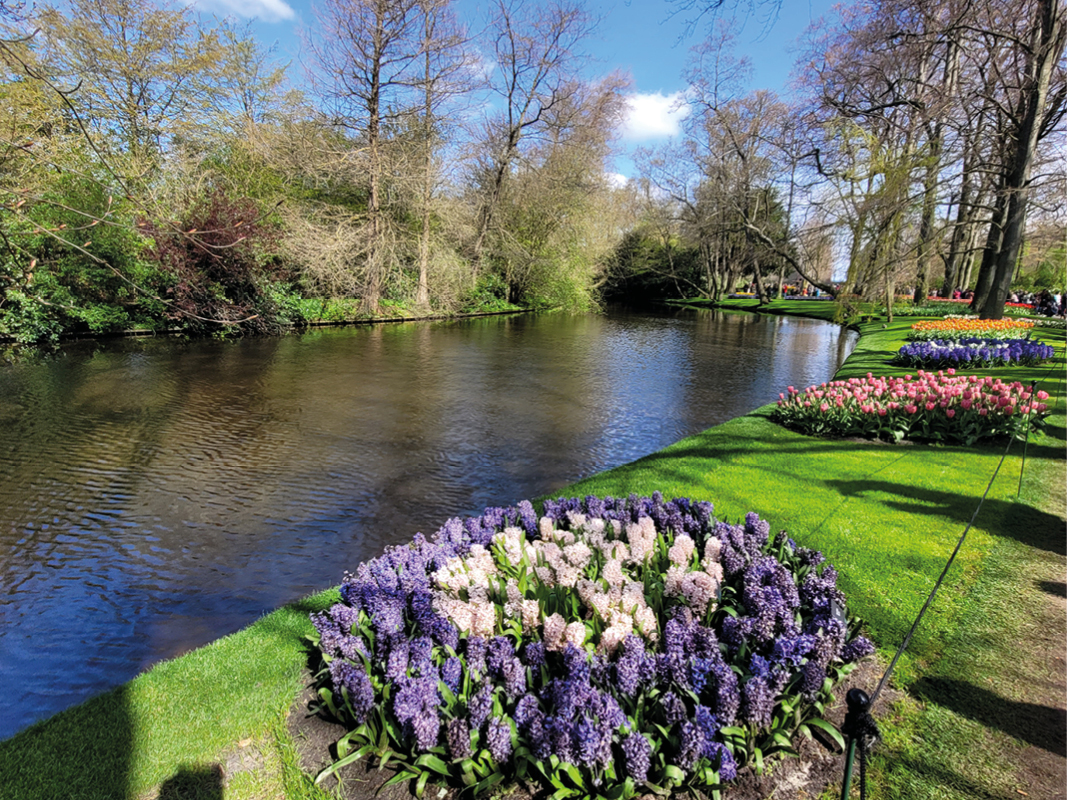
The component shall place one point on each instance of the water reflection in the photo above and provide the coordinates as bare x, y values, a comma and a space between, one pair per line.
155, 494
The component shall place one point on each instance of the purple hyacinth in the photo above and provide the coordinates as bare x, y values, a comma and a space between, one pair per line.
560, 736
790, 651
757, 704
420, 652
356, 683
587, 741
722, 760
527, 518
514, 675
813, 675
475, 652
673, 708
628, 672
479, 705
396, 662
856, 649
727, 693
537, 736
458, 734
330, 634
498, 740
415, 705
707, 722
637, 752
699, 669
524, 709
452, 673
690, 746
501, 650
534, 655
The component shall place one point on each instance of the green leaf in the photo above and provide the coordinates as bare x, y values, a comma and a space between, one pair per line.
420, 785
492, 780
830, 730
433, 762
351, 758
400, 777
674, 774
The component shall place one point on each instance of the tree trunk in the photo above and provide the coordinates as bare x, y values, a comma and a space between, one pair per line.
1045, 52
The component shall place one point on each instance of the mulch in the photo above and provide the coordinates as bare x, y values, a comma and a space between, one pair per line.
821, 763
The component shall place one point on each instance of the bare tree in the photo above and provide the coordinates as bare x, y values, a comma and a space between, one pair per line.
369, 53
535, 49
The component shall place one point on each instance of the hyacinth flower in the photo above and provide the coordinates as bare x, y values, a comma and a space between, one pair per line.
610, 645
973, 352
941, 406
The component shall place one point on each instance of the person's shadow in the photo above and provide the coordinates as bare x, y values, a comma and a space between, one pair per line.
200, 782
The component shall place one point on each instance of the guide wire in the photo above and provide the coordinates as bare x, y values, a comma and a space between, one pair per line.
940, 580
859, 724
1026, 441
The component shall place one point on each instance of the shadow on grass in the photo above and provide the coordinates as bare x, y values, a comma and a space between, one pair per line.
1057, 588
1040, 726
83, 752
938, 776
202, 782
1024, 523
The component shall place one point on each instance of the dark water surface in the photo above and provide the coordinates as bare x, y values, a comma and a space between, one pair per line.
157, 494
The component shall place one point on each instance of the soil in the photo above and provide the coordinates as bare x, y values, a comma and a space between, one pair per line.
1042, 764
821, 763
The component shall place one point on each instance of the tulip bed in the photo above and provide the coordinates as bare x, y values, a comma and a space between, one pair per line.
606, 649
942, 406
973, 352
966, 328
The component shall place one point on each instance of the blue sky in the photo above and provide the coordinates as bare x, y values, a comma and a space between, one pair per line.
640, 37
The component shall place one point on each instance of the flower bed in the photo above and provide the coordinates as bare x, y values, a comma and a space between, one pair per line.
973, 352
610, 648
963, 328
938, 406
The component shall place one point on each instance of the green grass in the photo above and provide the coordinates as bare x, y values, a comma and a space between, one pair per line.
886, 516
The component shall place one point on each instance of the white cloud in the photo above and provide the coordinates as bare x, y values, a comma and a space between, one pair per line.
652, 116
266, 10
616, 179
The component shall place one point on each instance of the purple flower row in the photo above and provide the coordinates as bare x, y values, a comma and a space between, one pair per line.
973, 352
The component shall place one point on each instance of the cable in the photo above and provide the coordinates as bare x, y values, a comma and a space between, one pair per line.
944, 572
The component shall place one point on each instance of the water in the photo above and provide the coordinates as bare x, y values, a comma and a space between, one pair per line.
157, 494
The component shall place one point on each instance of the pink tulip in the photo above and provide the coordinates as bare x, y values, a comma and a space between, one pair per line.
950, 413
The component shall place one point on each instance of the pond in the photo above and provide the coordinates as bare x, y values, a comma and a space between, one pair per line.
156, 494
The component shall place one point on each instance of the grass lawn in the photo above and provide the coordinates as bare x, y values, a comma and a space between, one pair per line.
211, 724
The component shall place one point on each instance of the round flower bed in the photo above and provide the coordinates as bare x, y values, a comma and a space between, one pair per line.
973, 352
938, 406
963, 328
608, 648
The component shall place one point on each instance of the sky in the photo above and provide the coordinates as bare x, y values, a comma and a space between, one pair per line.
648, 39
